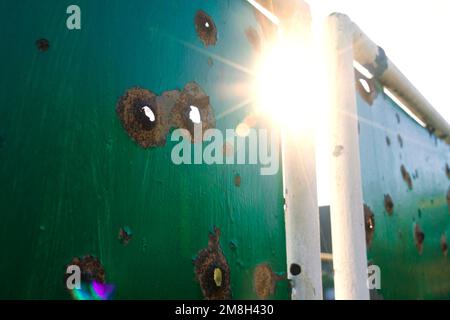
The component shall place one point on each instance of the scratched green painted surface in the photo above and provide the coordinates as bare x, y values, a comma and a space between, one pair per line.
405, 274
70, 176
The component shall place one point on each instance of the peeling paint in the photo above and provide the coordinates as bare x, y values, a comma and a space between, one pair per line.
265, 280
90, 267
380, 64
338, 150
237, 180
210, 264
430, 129
125, 235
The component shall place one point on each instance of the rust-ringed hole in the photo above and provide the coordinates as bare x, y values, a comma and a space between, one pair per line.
212, 270
419, 238
193, 112
406, 177
141, 117
206, 28
369, 221
388, 204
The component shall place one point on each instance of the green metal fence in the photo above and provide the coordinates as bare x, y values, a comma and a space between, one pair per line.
71, 177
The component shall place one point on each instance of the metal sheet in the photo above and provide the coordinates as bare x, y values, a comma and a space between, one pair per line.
390, 139
70, 177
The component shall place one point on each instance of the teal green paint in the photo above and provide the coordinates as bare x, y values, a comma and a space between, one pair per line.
70, 176
404, 273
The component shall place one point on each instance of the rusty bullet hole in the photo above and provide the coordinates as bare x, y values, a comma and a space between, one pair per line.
125, 235
338, 150
212, 270
366, 87
419, 238
140, 116
295, 269
448, 199
253, 38
406, 177
237, 180
388, 141
192, 111
444, 245
447, 170
369, 219
42, 45
388, 204
265, 281
206, 28
90, 267
400, 140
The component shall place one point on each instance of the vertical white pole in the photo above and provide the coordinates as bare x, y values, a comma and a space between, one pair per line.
299, 175
347, 218
302, 215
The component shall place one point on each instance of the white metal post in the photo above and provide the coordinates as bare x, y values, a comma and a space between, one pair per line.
302, 215
299, 175
346, 203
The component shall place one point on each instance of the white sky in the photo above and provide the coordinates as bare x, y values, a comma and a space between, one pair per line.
415, 36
